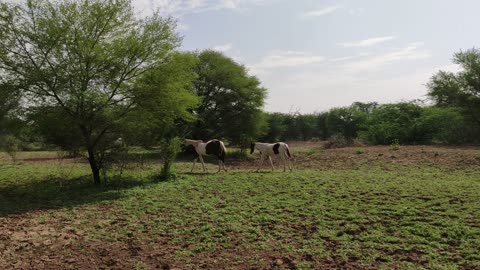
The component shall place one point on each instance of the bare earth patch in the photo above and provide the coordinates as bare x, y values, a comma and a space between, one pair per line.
365, 207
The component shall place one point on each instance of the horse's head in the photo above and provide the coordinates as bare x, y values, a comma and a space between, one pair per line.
252, 148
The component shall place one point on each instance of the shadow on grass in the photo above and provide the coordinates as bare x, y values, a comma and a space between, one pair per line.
188, 156
55, 193
198, 173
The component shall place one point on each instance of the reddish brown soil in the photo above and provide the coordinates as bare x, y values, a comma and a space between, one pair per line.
312, 155
27, 243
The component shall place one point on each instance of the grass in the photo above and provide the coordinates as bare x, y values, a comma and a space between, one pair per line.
369, 216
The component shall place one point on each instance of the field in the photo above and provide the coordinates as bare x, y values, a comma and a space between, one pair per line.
350, 208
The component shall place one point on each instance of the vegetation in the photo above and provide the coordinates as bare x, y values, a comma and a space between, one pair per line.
407, 122
461, 90
90, 82
11, 146
334, 211
9, 100
111, 97
79, 68
227, 93
169, 149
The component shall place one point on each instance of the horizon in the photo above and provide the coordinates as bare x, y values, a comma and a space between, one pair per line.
304, 51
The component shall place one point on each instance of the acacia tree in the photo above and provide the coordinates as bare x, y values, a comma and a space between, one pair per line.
460, 89
165, 99
231, 100
82, 57
344, 121
9, 100
276, 127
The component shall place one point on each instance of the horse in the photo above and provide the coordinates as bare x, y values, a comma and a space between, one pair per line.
268, 149
213, 147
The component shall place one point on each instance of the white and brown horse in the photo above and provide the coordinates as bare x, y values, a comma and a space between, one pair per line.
212, 147
273, 149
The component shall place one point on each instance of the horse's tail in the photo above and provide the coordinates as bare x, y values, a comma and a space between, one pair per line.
288, 151
223, 151
293, 160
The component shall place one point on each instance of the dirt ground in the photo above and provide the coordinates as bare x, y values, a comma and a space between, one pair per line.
312, 155
34, 241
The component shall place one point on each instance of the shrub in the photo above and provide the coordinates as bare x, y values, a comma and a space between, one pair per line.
336, 141
395, 145
392, 122
11, 145
113, 154
359, 151
169, 149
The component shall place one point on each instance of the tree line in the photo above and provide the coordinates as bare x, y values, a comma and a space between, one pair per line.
404, 122
89, 76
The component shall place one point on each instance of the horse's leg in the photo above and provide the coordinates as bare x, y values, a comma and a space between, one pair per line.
262, 158
271, 162
223, 164
219, 165
203, 163
290, 165
194, 161
284, 161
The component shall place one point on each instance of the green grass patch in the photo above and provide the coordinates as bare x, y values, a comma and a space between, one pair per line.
383, 217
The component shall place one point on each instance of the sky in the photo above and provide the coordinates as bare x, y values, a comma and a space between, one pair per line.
316, 55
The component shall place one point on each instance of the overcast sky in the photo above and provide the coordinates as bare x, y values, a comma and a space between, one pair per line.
315, 55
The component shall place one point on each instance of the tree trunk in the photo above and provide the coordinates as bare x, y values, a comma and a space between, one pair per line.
94, 166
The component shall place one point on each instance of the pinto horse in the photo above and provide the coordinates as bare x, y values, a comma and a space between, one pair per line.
269, 149
212, 147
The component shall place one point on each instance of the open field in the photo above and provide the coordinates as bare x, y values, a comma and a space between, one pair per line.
350, 208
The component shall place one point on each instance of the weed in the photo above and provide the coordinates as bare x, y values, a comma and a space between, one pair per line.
395, 145
376, 216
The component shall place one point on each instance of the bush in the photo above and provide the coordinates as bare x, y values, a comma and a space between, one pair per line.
336, 141
11, 145
391, 122
445, 126
169, 149
359, 151
112, 154
395, 145
409, 123
345, 121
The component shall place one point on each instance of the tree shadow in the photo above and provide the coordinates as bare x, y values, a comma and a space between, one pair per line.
56, 193
188, 154
197, 173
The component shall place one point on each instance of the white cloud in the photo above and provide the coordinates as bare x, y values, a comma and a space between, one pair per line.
182, 7
356, 11
196, 3
368, 42
412, 52
328, 87
450, 68
334, 82
231, 4
350, 57
223, 48
322, 11
182, 26
284, 59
